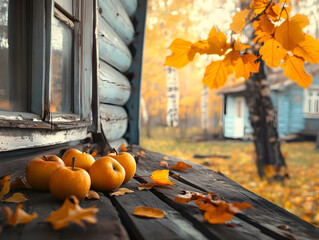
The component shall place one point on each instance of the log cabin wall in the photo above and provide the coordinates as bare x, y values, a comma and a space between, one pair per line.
120, 39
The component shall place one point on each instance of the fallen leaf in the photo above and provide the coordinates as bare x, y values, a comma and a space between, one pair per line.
187, 196
141, 153
166, 158
121, 192
16, 198
72, 212
160, 177
180, 166
146, 186
123, 148
19, 183
175, 175
164, 164
19, 217
94, 153
284, 227
5, 182
92, 195
148, 212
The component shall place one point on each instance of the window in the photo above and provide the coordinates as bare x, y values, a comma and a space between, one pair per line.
311, 104
46, 79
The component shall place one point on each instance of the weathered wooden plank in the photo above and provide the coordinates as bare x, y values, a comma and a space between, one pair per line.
118, 142
108, 225
129, 6
265, 215
113, 120
173, 226
13, 139
114, 87
190, 210
114, 13
111, 48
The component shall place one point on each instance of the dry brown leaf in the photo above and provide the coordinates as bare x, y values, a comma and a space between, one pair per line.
19, 183
146, 186
166, 158
72, 212
180, 166
16, 198
19, 217
6, 186
148, 212
187, 196
164, 164
175, 175
92, 195
121, 192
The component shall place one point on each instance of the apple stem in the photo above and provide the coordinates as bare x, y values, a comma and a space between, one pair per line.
45, 158
73, 162
86, 148
114, 150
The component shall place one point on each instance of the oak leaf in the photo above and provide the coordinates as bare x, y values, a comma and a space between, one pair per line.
72, 212
272, 53
216, 74
239, 20
121, 192
160, 177
16, 198
148, 212
5, 182
294, 69
92, 195
308, 49
146, 186
180, 166
289, 34
19, 216
182, 54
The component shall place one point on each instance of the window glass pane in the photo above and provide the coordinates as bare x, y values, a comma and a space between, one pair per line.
66, 4
13, 75
61, 68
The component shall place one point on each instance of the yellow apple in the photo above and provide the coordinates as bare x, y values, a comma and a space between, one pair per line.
82, 159
128, 163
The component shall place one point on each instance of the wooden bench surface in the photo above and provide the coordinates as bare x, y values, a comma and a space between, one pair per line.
182, 221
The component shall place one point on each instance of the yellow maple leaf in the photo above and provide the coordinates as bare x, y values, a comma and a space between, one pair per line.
216, 74
19, 216
71, 212
272, 53
217, 41
238, 46
294, 69
160, 177
308, 49
289, 34
239, 20
182, 54
301, 19
5, 182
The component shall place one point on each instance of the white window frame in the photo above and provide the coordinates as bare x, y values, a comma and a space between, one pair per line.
311, 103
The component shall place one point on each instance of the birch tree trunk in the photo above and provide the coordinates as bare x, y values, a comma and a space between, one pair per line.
263, 122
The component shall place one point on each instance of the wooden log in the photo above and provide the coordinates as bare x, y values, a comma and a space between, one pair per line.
129, 6
266, 216
114, 87
113, 120
114, 13
111, 48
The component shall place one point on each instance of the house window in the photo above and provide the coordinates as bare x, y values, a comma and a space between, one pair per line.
311, 105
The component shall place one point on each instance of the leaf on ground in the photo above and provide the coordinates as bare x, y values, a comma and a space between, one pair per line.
272, 53
308, 49
141, 152
5, 182
92, 195
175, 175
239, 20
160, 177
72, 212
148, 212
19, 216
166, 158
182, 54
123, 148
187, 196
294, 69
164, 164
146, 186
180, 166
121, 192
16, 198
19, 183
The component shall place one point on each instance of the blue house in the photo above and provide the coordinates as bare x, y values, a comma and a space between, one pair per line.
296, 108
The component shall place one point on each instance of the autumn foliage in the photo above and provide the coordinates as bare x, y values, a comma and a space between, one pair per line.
279, 37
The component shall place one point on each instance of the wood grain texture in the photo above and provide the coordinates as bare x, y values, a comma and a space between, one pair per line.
266, 216
129, 6
113, 121
114, 87
112, 49
114, 13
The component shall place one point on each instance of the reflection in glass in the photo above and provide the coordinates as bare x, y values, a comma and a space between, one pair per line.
61, 68
13, 80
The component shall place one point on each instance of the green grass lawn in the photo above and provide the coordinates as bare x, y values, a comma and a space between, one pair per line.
299, 194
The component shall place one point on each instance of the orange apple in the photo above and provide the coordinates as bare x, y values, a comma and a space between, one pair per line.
128, 163
67, 181
40, 169
106, 174
82, 159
